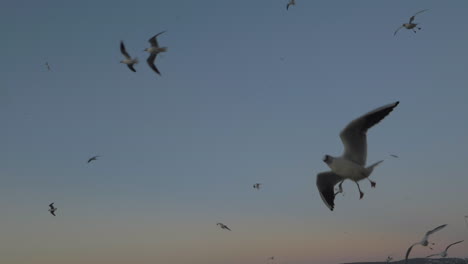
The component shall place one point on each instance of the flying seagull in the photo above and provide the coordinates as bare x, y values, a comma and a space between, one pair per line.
395, 156
223, 226
52, 209
257, 186
48, 66
291, 2
410, 25
128, 60
444, 254
351, 165
93, 158
424, 242
154, 50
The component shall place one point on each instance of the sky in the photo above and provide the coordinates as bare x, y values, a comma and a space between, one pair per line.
249, 92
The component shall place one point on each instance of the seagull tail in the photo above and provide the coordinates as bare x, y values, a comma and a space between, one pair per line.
163, 49
371, 167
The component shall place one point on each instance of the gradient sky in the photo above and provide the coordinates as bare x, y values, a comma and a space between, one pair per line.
249, 93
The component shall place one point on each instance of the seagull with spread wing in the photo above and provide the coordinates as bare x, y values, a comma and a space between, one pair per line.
128, 60
411, 25
93, 158
425, 241
52, 209
223, 226
351, 165
257, 186
154, 50
444, 253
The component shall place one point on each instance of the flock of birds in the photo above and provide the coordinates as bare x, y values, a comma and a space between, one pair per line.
351, 165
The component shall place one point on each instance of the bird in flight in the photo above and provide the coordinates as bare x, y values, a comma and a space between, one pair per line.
93, 158
128, 60
154, 50
291, 2
223, 226
48, 66
444, 254
411, 25
351, 165
52, 209
424, 242
257, 186
395, 156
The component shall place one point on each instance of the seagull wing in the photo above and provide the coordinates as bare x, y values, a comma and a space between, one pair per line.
153, 40
397, 30
354, 137
150, 61
227, 228
434, 230
408, 252
130, 66
453, 244
412, 18
433, 255
326, 182
124, 52
287, 6
53, 213
51, 206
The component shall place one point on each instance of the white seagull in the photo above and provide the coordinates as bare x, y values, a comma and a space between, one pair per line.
291, 2
52, 209
351, 165
128, 60
223, 226
424, 242
444, 254
154, 50
410, 25
257, 186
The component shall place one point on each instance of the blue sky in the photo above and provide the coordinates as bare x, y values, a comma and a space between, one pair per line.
249, 93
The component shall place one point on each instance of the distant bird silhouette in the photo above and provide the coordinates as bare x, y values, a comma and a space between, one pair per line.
223, 226
154, 50
395, 156
444, 254
128, 60
410, 25
466, 220
424, 242
291, 2
93, 158
48, 66
257, 186
52, 209
271, 258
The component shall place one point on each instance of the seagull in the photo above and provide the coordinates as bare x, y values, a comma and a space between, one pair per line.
154, 50
223, 226
128, 60
93, 158
444, 253
424, 242
395, 156
351, 165
257, 186
52, 209
410, 25
389, 258
291, 2
48, 66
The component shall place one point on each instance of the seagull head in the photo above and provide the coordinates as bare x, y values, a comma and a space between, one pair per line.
327, 159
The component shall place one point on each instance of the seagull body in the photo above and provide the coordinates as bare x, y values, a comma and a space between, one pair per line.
257, 186
52, 209
351, 165
410, 25
291, 2
444, 254
128, 60
223, 226
154, 50
93, 158
425, 241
